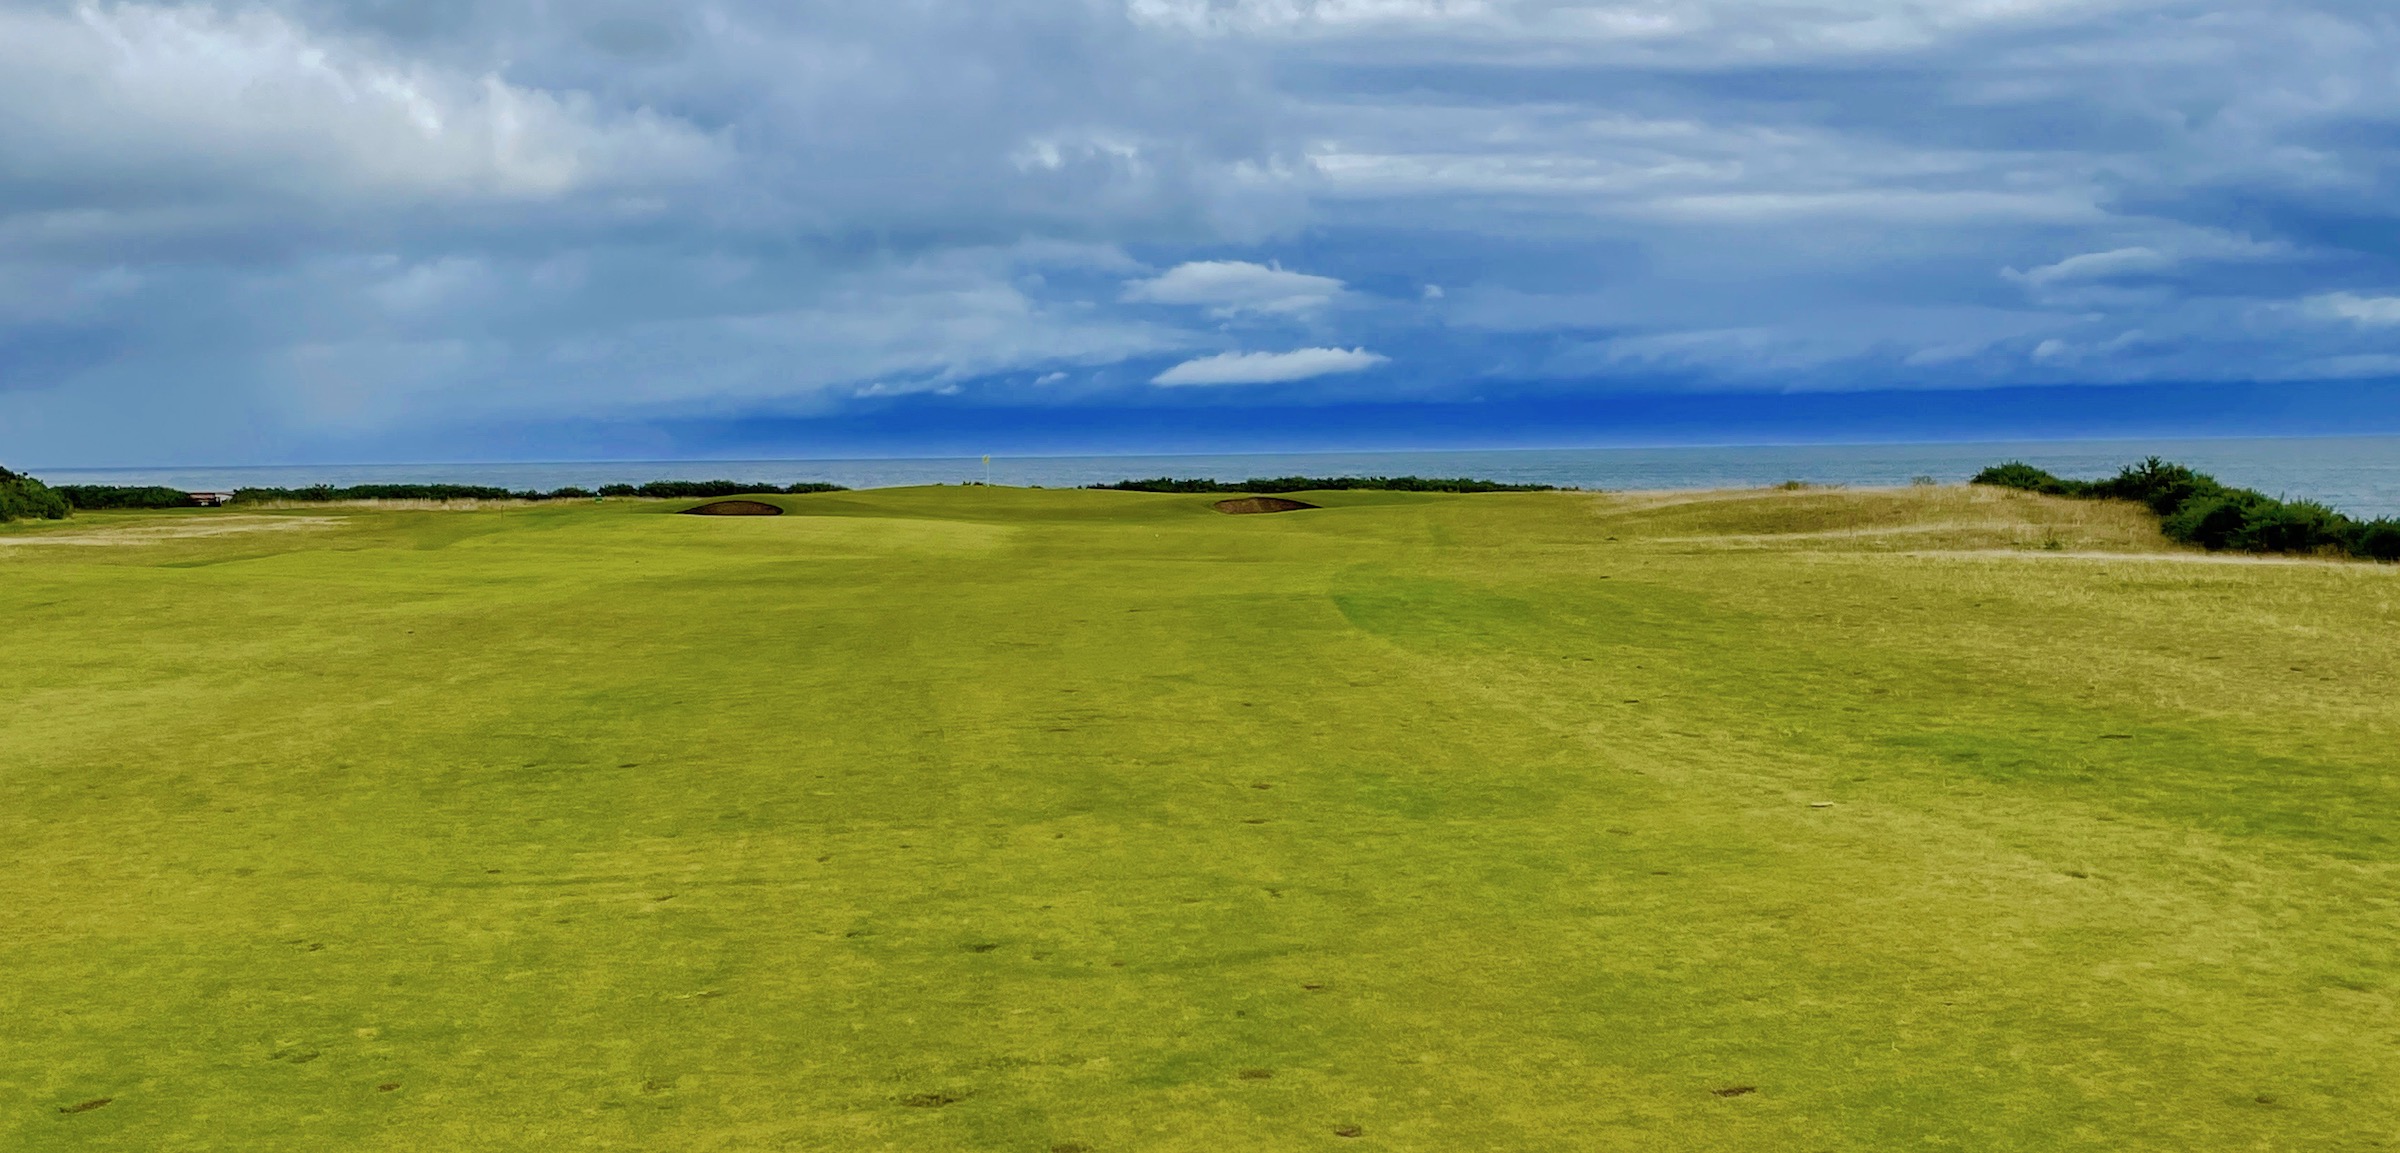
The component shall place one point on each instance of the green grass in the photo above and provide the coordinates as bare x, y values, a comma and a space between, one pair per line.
1941, 818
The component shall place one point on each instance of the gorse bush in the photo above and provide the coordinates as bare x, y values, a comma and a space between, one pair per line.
23, 496
1322, 484
693, 488
124, 496
327, 492
2195, 509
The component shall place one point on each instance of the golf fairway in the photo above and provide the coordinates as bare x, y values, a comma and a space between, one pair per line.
1059, 821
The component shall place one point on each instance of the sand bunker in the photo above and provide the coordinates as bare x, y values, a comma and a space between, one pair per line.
1243, 505
735, 508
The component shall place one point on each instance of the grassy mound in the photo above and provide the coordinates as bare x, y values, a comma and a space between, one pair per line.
984, 818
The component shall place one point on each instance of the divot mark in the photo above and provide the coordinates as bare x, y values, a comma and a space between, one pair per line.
2116, 736
86, 1106
1070, 1147
1735, 1090
387, 1086
1257, 1074
1820, 804
1348, 1131
930, 1100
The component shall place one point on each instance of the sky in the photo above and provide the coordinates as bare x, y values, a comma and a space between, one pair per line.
450, 230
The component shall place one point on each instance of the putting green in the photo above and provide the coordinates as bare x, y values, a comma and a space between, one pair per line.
997, 819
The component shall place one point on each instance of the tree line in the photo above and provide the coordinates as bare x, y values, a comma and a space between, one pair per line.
110, 496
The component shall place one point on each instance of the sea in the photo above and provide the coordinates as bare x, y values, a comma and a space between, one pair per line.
2358, 475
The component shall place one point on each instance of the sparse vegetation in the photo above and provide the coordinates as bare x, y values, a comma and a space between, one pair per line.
2195, 509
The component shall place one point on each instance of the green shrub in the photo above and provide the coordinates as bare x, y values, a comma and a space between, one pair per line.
2195, 509
692, 488
326, 492
97, 496
23, 496
2378, 539
2020, 475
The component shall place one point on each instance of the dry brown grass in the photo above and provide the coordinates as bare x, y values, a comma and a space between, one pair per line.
164, 529
1946, 519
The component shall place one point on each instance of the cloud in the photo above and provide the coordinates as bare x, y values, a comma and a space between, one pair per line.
1233, 287
1690, 32
2095, 266
163, 101
1269, 367
385, 218
2365, 311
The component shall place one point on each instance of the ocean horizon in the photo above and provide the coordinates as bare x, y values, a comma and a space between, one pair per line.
2358, 475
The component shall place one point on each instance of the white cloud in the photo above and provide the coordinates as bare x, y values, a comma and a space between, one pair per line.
2175, 249
1269, 367
2095, 266
144, 96
1686, 30
2366, 311
1901, 205
1232, 287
